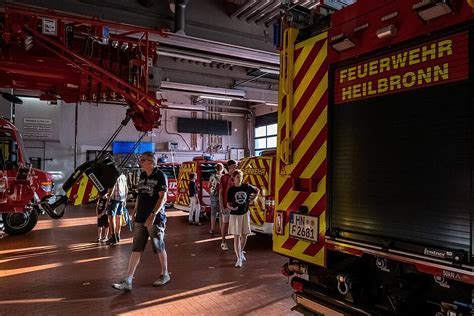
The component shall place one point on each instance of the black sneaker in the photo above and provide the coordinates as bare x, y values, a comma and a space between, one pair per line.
111, 241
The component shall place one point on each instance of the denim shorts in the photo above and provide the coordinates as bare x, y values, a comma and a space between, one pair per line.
214, 206
156, 234
115, 208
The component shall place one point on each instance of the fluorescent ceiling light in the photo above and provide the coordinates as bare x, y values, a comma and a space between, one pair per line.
271, 104
184, 56
211, 97
226, 113
270, 71
204, 90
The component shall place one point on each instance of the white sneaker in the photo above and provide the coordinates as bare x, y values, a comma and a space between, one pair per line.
165, 278
122, 286
238, 264
242, 257
224, 246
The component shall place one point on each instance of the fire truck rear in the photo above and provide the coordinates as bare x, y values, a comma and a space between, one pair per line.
374, 162
203, 168
260, 172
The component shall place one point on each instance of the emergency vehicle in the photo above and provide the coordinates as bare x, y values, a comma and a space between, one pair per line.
204, 169
21, 187
171, 169
374, 161
260, 172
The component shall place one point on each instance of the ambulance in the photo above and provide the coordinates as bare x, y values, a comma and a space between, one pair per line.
171, 169
374, 187
204, 168
260, 172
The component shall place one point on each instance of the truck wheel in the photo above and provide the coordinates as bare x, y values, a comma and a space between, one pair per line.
19, 223
169, 204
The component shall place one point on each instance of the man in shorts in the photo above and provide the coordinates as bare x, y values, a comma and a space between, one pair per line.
149, 221
224, 186
116, 202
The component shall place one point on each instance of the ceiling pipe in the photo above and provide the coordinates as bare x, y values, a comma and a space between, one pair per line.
243, 8
180, 16
275, 14
214, 58
268, 16
264, 12
271, 18
254, 10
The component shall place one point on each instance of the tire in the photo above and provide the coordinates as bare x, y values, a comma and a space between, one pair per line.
169, 204
19, 223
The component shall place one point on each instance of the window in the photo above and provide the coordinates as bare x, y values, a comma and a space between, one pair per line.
265, 138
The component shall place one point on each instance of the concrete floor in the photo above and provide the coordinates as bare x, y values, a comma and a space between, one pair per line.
58, 269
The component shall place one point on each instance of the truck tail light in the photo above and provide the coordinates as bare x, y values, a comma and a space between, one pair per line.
269, 209
297, 285
47, 186
3, 184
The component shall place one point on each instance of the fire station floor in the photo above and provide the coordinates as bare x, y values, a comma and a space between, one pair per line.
57, 269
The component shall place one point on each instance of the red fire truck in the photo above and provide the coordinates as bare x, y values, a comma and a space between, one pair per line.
20, 185
260, 172
374, 162
171, 169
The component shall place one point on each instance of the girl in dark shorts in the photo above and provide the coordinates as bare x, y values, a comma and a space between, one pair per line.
102, 220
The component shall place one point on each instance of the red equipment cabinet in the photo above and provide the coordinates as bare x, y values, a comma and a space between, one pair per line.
373, 190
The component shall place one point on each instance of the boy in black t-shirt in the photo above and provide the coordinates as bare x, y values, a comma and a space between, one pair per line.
238, 199
149, 221
195, 207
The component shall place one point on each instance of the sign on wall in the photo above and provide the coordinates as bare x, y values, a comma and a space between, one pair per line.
433, 63
35, 128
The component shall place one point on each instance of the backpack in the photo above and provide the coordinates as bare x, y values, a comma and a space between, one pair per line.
215, 182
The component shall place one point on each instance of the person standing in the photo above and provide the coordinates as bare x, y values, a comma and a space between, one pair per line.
102, 219
149, 221
239, 197
195, 207
116, 202
214, 181
224, 185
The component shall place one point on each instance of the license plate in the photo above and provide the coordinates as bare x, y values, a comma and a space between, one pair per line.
304, 227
